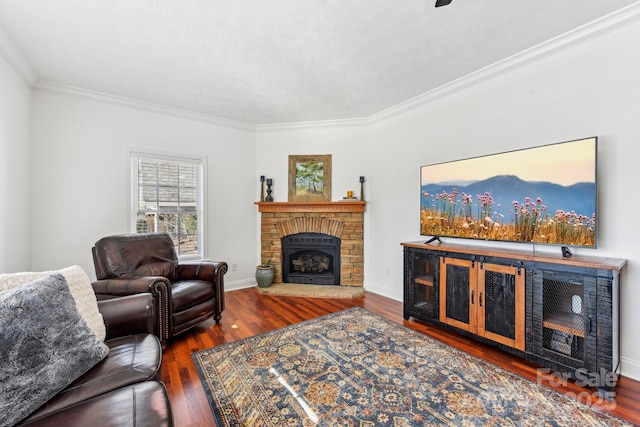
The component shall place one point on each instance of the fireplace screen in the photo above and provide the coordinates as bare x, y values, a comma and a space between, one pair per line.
311, 258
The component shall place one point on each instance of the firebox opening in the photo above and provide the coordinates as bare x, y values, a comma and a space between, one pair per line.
311, 258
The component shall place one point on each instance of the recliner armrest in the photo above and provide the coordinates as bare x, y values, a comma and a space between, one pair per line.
129, 285
210, 271
159, 287
129, 315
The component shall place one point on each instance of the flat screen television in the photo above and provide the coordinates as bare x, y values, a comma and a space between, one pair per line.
544, 195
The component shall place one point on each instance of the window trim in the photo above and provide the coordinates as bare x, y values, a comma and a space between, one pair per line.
201, 194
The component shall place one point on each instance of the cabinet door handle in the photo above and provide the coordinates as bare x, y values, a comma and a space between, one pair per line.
589, 324
480, 299
473, 293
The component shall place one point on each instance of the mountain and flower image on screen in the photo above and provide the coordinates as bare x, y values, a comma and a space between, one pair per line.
544, 194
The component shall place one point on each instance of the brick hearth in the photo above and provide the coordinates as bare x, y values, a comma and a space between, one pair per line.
344, 220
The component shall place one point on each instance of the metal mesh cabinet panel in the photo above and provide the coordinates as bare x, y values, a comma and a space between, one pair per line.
565, 315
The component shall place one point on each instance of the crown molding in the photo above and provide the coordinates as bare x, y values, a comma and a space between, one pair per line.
16, 59
568, 40
52, 87
274, 127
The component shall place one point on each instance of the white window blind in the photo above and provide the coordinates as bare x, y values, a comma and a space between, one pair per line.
167, 196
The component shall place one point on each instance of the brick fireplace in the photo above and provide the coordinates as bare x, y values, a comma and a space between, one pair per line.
343, 220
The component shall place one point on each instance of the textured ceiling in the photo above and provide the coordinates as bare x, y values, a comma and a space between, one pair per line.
279, 61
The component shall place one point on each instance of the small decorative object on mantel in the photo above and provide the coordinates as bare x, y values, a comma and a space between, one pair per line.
350, 197
362, 188
262, 188
269, 197
265, 274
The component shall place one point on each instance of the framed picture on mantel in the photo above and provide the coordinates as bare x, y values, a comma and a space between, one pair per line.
310, 178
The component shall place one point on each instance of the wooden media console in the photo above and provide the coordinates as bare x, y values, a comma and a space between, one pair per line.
558, 312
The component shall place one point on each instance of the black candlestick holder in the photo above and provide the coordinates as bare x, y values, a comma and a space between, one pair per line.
362, 188
269, 197
262, 188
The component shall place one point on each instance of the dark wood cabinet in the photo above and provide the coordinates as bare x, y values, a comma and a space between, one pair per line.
561, 313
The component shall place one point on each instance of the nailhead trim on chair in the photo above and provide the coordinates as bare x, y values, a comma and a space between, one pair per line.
160, 289
220, 291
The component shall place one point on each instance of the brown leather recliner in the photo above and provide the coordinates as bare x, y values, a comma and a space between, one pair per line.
125, 388
185, 294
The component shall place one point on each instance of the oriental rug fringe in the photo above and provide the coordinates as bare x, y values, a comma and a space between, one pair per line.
355, 368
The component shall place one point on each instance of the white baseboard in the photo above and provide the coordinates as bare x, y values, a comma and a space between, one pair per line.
630, 368
382, 290
239, 284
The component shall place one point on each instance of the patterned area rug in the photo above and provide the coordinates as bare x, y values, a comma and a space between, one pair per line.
355, 368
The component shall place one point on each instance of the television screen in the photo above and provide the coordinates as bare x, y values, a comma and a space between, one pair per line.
544, 194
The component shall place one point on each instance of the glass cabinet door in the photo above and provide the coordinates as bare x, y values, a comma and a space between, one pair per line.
458, 293
501, 306
422, 288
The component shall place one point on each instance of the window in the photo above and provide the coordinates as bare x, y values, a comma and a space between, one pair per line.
167, 196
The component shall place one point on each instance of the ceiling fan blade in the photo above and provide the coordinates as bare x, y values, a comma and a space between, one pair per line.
442, 2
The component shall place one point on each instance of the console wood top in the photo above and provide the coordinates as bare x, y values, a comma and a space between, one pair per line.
576, 260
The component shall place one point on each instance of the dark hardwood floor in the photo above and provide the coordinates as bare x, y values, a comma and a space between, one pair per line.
248, 314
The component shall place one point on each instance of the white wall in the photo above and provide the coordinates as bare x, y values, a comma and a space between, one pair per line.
590, 89
81, 184
15, 110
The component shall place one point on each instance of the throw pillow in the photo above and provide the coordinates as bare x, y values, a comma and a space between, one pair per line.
45, 345
80, 287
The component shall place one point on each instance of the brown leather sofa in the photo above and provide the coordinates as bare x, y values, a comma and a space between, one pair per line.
185, 294
124, 389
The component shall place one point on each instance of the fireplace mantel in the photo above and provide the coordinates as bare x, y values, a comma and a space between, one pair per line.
343, 219
347, 206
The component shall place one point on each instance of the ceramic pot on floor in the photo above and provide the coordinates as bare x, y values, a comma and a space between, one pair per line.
264, 275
